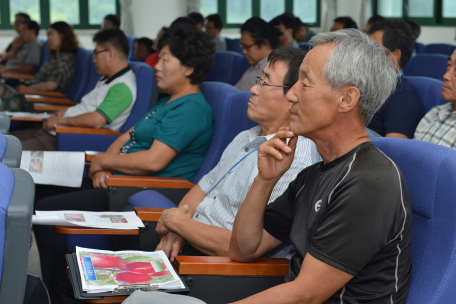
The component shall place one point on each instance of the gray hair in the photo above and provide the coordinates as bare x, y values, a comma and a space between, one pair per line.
358, 61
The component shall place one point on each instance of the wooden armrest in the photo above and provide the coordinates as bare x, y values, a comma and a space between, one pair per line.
42, 93
90, 231
45, 99
214, 265
148, 182
91, 155
17, 75
49, 108
79, 130
149, 214
108, 300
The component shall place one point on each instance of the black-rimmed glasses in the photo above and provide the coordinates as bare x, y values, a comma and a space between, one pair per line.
262, 83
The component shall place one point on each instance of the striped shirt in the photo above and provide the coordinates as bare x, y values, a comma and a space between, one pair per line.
438, 126
220, 206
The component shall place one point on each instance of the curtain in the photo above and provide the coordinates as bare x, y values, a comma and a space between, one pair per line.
365, 13
193, 6
126, 17
329, 8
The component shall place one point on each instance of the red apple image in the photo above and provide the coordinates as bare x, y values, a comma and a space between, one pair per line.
133, 278
105, 261
159, 274
154, 269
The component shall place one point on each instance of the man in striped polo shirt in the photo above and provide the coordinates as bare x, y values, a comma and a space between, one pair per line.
206, 214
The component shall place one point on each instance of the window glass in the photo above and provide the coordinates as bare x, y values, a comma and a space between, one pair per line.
98, 9
64, 10
271, 8
238, 11
306, 10
421, 8
390, 8
30, 7
449, 9
208, 7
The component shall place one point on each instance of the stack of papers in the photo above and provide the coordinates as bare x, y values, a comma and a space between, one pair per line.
107, 220
103, 271
27, 115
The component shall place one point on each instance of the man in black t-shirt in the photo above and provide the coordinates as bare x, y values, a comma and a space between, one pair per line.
349, 217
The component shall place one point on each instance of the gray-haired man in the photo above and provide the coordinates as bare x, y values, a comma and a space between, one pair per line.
349, 217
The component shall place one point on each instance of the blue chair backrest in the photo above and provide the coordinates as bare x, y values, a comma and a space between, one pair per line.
427, 65
228, 67
233, 45
76, 89
305, 46
429, 172
3, 144
91, 78
440, 48
144, 77
6, 189
44, 53
419, 47
131, 43
229, 110
429, 90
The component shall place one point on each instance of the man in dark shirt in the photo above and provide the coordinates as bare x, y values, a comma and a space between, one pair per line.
402, 111
349, 217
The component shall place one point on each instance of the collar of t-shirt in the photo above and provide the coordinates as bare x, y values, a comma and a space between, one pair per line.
334, 163
400, 73
118, 74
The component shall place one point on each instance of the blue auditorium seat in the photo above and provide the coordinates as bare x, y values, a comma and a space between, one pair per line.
419, 48
5, 123
429, 172
440, 48
44, 53
131, 43
233, 45
228, 67
16, 204
95, 142
429, 89
10, 151
427, 65
79, 85
305, 46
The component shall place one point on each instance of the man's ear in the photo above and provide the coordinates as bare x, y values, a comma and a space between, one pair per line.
349, 98
397, 54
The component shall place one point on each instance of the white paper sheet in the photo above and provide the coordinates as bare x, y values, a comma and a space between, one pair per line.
27, 115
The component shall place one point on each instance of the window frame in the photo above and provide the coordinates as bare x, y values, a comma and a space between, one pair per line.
45, 15
221, 8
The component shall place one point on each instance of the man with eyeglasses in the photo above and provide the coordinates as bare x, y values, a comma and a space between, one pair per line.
258, 40
13, 48
213, 26
108, 105
286, 25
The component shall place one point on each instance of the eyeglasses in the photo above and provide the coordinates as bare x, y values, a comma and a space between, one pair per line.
246, 47
261, 83
95, 53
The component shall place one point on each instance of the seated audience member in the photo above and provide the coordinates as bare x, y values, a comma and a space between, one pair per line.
57, 72
349, 216
13, 48
152, 59
143, 48
206, 214
415, 27
258, 40
372, 20
438, 126
170, 140
28, 57
198, 18
403, 110
285, 24
343, 23
111, 21
213, 27
302, 32
108, 105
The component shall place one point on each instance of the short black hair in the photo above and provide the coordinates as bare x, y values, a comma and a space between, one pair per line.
216, 19
192, 47
146, 42
261, 32
23, 15
197, 17
115, 20
375, 19
397, 35
186, 20
32, 25
292, 58
347, 21
115, 38
287, 19
300, 24
415, 27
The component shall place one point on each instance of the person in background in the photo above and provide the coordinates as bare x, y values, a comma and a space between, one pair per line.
286, 25
57, 72
372, 20
343, 23
28, 57
110, 21
13, 48
198, 18
302, 32
403, 110
438, 126
415, 27
108, 105
143, 48
213, 26
258, 40
152, 59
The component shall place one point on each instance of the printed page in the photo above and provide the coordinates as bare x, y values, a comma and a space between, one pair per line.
54, 168
27, 115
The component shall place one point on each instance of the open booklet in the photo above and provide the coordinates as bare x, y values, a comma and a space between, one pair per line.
103, 270
106, 220
27, 115
54, 168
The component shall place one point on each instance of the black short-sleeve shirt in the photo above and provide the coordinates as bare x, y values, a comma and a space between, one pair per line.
354, 214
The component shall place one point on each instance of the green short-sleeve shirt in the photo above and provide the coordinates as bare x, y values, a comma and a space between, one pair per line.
184, 124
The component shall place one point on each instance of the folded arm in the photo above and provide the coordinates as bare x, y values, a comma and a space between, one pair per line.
42, 86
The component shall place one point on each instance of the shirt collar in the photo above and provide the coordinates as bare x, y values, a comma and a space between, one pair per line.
255, 132
116, 75
446, 111
400, 73
261, 64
